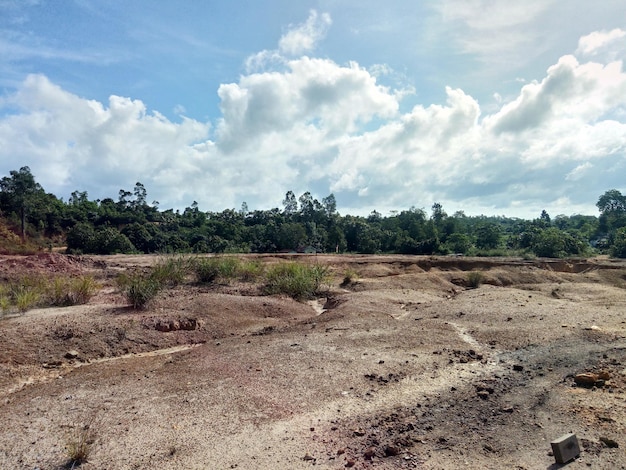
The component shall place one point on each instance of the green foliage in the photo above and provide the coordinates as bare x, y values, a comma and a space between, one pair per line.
225, 268
26, 298
138, 288
26, 292
206, 270
297, 280
349, 276
553, 243
63, 291
618, 248
129, 224
459, 243
475, 279
171, 271
250, 270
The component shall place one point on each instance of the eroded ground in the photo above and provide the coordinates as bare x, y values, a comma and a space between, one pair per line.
405, 367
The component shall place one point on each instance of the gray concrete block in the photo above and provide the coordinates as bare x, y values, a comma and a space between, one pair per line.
565, 448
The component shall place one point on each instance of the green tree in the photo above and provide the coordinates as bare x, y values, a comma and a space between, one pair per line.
19, 193
618, 247
488, 236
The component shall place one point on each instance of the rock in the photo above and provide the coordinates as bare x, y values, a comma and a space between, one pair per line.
518, 367
307, 456
609, 442
484, 394
73, 354
604, 375
586, 379
391, 451
350, 463
369, 453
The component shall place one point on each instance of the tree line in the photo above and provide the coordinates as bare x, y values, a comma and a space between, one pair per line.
132, 225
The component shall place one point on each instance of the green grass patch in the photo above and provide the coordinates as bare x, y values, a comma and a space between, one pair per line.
297, 280
27, 292
172, 271
139, 288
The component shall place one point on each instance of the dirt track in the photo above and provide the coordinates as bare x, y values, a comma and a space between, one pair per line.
404, 368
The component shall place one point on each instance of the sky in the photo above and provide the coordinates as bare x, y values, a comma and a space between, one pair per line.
486, 106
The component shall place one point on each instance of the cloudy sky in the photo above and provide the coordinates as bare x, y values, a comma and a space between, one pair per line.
488, 106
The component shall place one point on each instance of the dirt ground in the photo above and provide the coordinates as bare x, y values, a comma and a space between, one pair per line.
404, 367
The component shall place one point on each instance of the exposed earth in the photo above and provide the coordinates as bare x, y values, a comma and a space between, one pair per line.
405, 366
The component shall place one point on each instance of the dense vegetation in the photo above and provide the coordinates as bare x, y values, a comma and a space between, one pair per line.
31, 218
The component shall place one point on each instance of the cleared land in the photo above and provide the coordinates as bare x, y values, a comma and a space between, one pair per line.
405, 366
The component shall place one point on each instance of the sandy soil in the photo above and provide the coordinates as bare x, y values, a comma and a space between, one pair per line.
405, 367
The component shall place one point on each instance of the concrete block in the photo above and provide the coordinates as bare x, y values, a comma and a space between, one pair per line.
565, 448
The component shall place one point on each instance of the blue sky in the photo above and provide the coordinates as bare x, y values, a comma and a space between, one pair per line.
488, 106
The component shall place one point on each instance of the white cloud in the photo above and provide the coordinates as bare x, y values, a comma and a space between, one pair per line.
303, 38
579, 172
311, 122
592, 43
494, 29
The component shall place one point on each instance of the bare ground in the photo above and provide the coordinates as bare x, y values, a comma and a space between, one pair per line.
405, 367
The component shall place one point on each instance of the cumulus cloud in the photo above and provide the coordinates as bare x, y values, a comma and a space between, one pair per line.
592, 43
312, 123
303, 38
298, 40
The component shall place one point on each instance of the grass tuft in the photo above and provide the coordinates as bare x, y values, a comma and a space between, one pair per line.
78, 445
297, 280
475, 279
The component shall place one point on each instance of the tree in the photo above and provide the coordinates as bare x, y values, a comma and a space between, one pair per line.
18, 193
487, 236
612, 206
290, 204
618, 248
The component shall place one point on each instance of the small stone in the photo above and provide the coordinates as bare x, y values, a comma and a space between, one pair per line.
369, 453
585, 379
518, 367
484, 394
391, 451
73, 354
610, 443
350, 463
307, 456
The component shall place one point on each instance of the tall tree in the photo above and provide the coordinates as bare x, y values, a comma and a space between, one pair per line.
19, 193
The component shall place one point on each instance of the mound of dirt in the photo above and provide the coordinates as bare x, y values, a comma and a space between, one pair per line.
406, 366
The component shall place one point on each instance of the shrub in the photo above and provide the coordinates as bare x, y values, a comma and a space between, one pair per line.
250, 270
349, 277
297, 280
26, 298
138, 288
475, 279
206, 270
78, 445
172, 270
82, 289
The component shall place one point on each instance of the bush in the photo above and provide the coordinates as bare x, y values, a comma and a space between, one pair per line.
475, 279
78, 445
138, 288
297, 280
172, 271
26, 298
206, 270
250, 270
